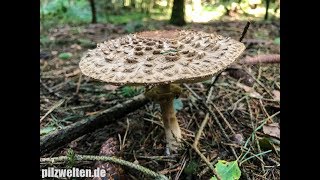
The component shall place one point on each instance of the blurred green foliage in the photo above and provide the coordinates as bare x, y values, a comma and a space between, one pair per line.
54, 12
277, 40
130, 91
65, 55
65, 11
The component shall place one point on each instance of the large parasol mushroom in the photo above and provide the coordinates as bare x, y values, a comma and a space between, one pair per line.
161, 59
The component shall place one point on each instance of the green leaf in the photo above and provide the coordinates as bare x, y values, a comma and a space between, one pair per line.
227, 170
177, 104
46, 130
65, 56
277, 40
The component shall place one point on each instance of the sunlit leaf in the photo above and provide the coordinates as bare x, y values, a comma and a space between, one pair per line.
227, 170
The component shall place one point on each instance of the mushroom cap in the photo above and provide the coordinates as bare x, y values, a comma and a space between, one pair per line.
160, 57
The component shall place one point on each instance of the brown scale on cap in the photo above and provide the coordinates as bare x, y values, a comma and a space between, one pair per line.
160, 57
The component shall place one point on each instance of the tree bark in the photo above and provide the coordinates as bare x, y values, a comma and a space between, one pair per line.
89, 124
177, 15
93, 11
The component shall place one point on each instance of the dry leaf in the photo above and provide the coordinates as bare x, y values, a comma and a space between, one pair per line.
276, 95
272, 130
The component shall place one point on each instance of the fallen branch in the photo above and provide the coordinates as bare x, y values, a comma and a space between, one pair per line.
89, 124
264, 58
142, 169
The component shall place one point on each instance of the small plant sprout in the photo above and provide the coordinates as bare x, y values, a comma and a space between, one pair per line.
162, 60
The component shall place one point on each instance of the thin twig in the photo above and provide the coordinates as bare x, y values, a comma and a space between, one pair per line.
264, 109
107, 159
184, 162
207, 162
213, 81
225, 120
79, 83
218, 122
198, 135
193, 93
125, 134
195, 146
59, 103
205, 170
244, 32
261, 157
158, 157
50, 90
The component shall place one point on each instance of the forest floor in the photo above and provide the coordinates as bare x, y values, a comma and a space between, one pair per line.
249, 115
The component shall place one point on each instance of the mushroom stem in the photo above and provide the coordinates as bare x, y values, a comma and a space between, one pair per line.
164, 95
171, 126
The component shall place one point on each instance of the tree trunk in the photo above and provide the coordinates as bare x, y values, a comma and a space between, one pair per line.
267, 8
93, 11
133, 3
177, 15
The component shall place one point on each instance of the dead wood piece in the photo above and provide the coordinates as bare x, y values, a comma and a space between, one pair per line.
89, 124
264, 58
